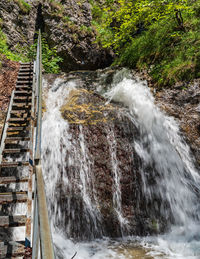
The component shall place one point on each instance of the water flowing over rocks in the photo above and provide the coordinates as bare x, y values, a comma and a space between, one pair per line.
97, 131
113, 172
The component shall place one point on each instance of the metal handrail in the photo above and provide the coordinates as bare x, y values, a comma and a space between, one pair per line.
38, 72
3, 133
42, 240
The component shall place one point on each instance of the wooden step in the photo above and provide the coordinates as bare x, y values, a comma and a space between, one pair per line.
21, 77
12, 140
11, 197
11, 129
19, 106
12, 221
19, 112
11, 249
25, 73
17, 134
14, 164
19, 119
25, 69
23, 93
13, 179
19, 124
16, 98
24, 82
11, 151
26, 64
22, 101
25, 87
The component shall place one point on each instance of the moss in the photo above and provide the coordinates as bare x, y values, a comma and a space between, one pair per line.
23, 5
80, 110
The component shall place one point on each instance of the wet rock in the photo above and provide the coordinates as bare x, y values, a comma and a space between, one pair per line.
97, 131
183, 103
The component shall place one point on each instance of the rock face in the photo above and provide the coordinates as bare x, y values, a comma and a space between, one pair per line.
18, 23
66, 24
183, 103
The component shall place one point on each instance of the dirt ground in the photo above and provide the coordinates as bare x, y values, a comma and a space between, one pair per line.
8, 76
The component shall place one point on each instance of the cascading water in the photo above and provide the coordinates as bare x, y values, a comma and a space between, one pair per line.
117, 176
170, 181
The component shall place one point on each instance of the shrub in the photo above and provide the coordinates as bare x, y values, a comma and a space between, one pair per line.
50, 58
4, 49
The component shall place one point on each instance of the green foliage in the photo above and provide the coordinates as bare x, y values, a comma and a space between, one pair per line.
127, 16
160, 36
169, 53
4, 49
50, 58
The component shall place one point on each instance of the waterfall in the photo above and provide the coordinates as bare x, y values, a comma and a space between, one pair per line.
117, 176
169, 179
162, 150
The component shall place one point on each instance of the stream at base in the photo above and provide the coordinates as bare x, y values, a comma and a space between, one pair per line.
173, 196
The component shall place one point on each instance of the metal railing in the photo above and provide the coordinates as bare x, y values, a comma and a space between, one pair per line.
42, 246
3, 133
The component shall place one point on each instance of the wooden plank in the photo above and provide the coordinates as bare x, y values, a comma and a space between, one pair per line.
25, 76
11, 249
23, 92
14, 164
12, 221
13, 179
18, 106
19, 119
19, 112
13, 197
26, 69
19, 150
10, 129
14, 140
22, 97
25, 82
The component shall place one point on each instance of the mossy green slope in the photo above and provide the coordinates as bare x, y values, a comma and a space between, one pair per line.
160, 36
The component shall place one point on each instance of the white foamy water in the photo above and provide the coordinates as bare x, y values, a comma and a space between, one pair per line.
161, 148
117, 177
165, 158
61, 151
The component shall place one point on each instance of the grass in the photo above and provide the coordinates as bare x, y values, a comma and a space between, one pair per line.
169, 53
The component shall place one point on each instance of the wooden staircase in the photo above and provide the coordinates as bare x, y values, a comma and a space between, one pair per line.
16, 169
